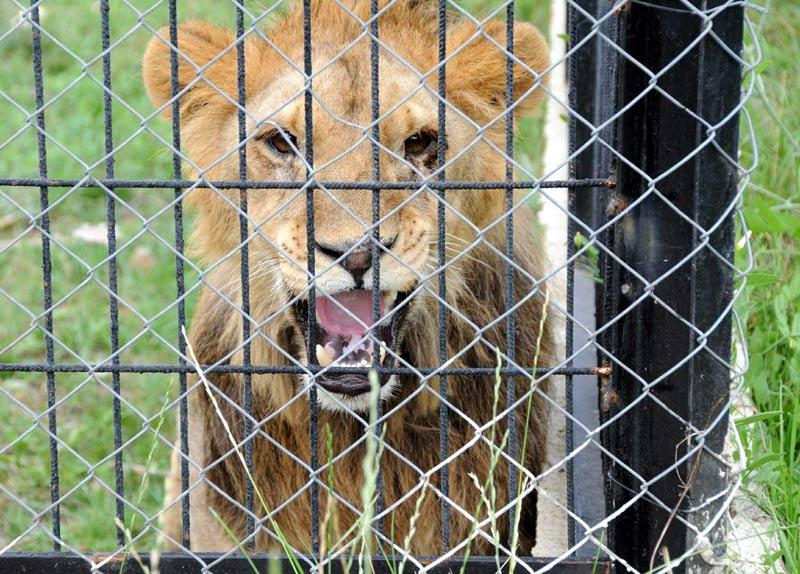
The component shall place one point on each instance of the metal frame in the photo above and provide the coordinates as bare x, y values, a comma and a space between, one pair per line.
661, 211
61, 563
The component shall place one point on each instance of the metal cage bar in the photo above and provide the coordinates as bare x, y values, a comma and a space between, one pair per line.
511, 324
375, 232
244, 254
113, 309
441, 257
274, 369
311, 185
47, 266
311, 256
183, 408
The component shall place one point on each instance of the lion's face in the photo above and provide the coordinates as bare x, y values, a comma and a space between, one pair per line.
342, 217
343, 239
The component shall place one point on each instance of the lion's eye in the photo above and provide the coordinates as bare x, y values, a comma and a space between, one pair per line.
419, 143
282, 142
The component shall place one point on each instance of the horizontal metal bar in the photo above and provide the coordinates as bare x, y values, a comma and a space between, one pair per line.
174, 563
261, 184
278, 369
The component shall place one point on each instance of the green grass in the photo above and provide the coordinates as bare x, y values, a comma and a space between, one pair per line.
771, 306
146, 278
148, 318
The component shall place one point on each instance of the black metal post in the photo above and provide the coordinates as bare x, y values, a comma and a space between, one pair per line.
111, 238
673, 342
244, 268
441, 221
311, 334
180, 284
47, 267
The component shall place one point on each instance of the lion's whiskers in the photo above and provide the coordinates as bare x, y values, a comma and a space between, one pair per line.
259, 270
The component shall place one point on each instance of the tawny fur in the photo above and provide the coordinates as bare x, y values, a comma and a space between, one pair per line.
476, 281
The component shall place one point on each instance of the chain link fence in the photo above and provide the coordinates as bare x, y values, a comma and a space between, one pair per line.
419, 339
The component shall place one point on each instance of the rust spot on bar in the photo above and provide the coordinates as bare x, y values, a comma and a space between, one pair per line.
604, 371
98, 557
622, 8
609, 397
611, 182
616, 203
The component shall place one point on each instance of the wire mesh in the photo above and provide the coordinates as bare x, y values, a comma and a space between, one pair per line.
382, 365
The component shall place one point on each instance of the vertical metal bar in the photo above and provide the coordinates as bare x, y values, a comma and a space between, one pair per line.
374, 56
183, 409
44, 202
604, 206
313, 422
582, 74
568, 380
244, 252
592, 81
511, 391
653, 241
570, 332
441, 148
111, 232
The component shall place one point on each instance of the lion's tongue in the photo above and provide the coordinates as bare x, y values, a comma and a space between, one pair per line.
350, 323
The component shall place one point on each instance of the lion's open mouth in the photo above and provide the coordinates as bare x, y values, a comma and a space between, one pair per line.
344, 339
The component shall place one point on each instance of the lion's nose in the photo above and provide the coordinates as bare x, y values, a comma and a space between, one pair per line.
357, 262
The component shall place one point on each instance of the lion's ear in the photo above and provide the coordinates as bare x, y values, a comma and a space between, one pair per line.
206, 60
476, 75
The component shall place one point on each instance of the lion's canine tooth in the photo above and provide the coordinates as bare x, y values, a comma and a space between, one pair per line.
389, 298
324, 356
383, 351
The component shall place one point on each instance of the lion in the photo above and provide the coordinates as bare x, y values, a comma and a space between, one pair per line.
407, 328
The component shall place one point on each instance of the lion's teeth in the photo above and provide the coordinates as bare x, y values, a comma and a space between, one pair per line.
324, 356
383, 351
388, 299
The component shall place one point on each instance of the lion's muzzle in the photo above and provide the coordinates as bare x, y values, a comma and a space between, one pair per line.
348, 339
